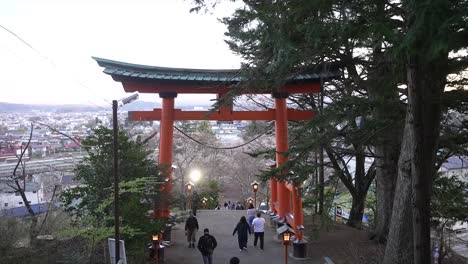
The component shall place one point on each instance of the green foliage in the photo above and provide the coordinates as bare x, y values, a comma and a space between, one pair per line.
93, 201
12, 231
449, 199
255, 128
442, 22
204, 128
211, 191
372, 43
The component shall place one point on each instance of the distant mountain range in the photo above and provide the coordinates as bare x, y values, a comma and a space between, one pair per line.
9, 107
134, 106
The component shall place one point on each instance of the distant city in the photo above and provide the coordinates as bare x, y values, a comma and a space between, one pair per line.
55, 149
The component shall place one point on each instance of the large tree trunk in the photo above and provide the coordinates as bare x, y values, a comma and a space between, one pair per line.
357, 210
387, 152
386, 177
383, 91
427, 68
426, 83
399, 249
359, 192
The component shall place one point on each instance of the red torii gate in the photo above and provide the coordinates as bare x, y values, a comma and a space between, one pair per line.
169, 82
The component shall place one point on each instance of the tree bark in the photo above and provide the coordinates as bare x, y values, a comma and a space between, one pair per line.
386, 177
383, 91
384, 94
426, 83
357, 210
400, 237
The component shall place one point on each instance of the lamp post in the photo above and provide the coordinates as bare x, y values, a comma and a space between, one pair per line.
249, 201
156, 247
189, 187
255, 189
286, 240
115, 169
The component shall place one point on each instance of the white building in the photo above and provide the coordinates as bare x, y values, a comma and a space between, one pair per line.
9, 198
456, 167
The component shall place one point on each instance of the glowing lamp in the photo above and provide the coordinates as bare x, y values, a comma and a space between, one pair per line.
255, 186
156, 237
286, 236
189, 186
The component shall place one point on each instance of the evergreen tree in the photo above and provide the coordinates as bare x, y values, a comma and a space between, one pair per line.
380, 46
449, 204
92, 201
281, 39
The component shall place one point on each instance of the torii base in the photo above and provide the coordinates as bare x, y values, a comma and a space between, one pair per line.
167, 236
299, 250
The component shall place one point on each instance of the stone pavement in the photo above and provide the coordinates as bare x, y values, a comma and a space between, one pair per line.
221, 224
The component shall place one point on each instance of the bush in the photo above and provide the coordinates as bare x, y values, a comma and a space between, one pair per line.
13, 232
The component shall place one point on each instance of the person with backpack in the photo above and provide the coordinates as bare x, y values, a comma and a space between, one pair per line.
191, 228
206, 244
242, 228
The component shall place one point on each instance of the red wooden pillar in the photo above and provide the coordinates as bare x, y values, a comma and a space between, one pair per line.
281, 127
273, 195
165, 146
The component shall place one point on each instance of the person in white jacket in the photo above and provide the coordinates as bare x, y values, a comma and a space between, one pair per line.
258, 226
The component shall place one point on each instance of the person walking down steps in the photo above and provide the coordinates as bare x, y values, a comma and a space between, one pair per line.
251, 214
206, 244
191, 228
258, 225
242, 228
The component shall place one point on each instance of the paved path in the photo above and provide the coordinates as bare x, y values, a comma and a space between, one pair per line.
221, 224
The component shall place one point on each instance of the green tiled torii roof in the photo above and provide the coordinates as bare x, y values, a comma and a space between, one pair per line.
143, 72
138, 71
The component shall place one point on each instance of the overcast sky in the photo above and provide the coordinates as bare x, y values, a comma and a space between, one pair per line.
64, 34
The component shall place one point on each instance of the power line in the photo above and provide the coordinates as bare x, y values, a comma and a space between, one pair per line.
52, 63
212, 147
98, 106
20, 39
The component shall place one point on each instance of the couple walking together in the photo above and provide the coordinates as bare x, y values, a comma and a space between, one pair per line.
206, 244
257, 226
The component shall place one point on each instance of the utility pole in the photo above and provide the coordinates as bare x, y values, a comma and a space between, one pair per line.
116, 181
115, 169
321, 172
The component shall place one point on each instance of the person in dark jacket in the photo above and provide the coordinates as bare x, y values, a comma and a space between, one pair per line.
242, 228
191, 228
206, 244
195, 202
